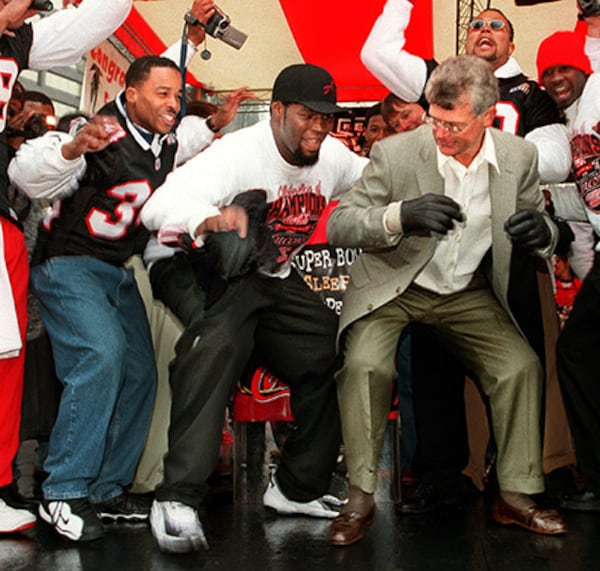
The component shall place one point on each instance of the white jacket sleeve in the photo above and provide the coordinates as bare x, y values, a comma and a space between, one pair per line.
193, 136
173, 52
567, 201
40, 170
383, 54
554, 152
191, 193
66, 35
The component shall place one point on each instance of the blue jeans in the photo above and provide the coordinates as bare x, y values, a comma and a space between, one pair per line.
103, 355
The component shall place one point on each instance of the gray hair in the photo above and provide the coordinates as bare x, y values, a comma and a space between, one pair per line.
459, 77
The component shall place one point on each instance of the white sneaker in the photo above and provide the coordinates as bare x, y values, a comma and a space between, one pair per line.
176, 527
324, 507
73, 518
13, 520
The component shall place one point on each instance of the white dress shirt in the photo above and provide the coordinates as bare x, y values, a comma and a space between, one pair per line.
459, 253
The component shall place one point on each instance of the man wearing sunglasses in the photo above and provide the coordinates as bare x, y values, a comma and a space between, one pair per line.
525, 110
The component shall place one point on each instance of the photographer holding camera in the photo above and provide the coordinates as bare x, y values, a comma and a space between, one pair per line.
35, 118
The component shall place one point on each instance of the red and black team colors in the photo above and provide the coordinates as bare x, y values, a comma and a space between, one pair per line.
60, 39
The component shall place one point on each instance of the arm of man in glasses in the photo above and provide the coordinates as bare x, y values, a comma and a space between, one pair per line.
383, 53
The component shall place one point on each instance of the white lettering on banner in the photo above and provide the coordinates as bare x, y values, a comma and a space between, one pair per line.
8, 75
324, 258
334, 304
347, 256
109, 66
325, 270
309, 259
114, 225
508, 116
339, 282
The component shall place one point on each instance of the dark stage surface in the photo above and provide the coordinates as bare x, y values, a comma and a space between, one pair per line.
246, 537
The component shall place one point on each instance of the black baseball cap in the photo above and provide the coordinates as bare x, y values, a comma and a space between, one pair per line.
309, 85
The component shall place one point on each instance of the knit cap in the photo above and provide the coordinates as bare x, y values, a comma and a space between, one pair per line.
562, 48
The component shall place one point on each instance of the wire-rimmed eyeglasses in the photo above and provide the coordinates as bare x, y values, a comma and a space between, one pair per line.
449, 126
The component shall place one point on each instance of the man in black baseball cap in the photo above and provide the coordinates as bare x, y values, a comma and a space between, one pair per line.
269, 312
303, 103
309, 85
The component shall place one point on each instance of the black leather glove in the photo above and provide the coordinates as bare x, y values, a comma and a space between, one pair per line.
528, 229
428, 214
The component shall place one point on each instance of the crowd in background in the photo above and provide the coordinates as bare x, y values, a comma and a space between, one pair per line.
471, 190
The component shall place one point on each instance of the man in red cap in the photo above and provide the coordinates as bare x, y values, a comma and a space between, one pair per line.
566, 73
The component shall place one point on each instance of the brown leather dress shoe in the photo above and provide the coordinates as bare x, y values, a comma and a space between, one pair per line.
348, 527
533, 518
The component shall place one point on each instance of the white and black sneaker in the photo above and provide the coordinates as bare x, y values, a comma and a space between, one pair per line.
126, 507
74, 519
327, 506
14, 520
176, 527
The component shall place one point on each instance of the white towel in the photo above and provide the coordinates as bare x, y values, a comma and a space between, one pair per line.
10, 336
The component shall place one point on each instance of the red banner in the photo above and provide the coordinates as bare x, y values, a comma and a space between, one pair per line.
331, 34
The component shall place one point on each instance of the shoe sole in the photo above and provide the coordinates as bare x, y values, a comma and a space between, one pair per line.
287, 513
90, 536
356, 539
171, 543
276, 507
128, 518
23, 527
505, 520
180, 544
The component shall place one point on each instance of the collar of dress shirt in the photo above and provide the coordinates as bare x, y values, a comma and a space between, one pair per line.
487, 153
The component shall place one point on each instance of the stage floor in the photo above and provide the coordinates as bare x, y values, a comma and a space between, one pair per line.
248, 538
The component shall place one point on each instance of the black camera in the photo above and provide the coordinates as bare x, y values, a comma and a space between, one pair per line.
42, 5
219, 26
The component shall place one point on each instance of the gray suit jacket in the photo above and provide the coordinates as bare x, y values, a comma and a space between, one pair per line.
403, 167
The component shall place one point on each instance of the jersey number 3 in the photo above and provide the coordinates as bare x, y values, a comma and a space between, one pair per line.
130, 197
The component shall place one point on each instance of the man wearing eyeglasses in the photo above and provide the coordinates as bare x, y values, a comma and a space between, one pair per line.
426, 210
525, 110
